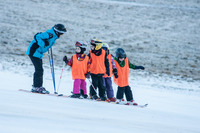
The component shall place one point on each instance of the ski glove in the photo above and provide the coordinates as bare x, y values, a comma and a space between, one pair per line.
87, 75
65, 59
115, 73
139, 67
108, 72
46, 42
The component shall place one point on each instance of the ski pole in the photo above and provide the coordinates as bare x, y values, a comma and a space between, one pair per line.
52, 69
92, 86
53, 75
61, 76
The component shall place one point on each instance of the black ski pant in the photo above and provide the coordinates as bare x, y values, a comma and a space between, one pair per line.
124, 90
97, 81
38, 74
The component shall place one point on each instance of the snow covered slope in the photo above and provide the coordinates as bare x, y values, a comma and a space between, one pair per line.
162, 35
170, 110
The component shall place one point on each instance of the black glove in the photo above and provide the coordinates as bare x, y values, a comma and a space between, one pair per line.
50, 35
139, 67
46, 42
87, 75
65, 59
115, 73
108, 72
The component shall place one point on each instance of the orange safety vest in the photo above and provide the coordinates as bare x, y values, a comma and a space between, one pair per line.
110, 64
123, 74
98, 63
79, 68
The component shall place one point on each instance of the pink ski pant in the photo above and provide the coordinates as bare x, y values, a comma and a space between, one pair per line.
79, 84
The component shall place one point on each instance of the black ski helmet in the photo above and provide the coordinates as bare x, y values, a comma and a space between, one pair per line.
120, 53
59, 29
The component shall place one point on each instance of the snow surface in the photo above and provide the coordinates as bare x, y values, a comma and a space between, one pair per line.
161, 35
173, 107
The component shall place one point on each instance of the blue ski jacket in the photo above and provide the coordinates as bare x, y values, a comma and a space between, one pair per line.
41, 43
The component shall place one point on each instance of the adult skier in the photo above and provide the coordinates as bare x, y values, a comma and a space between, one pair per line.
40, 44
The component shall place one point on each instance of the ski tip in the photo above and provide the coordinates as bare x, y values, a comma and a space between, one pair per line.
142, 106
145, 105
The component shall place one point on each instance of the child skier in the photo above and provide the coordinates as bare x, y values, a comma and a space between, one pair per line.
123, 64
107, 79
80, 67
98, 67
40, 45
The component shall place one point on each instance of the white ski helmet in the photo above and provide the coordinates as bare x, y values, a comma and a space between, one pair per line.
81, 44
105, 46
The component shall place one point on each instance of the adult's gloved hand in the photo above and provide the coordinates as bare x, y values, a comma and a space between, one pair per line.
115, 73
46, 42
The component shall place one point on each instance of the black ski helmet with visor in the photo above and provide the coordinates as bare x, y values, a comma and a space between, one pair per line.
59, 29
120, 53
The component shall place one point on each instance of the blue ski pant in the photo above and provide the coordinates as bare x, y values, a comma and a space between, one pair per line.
108, 85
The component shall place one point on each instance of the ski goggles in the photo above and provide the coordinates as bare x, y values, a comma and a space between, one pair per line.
95, 42
78, 44
105, 48
82, 45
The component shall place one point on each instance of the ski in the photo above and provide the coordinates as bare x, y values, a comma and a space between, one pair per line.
97, 100
138, 105
50, 94
141, 106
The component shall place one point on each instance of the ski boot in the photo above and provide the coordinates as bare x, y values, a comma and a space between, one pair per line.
113, 99
41, 90
104, 98
83, 95
75, 96
120, 101
95, 97
132, 102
